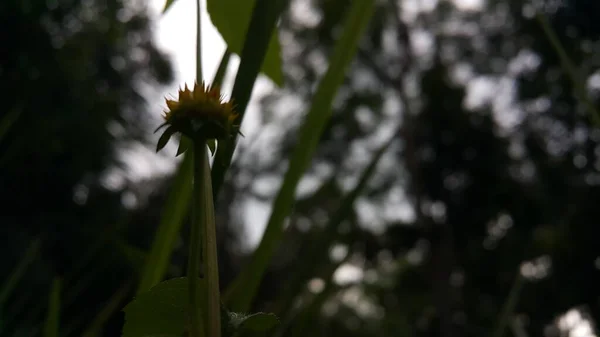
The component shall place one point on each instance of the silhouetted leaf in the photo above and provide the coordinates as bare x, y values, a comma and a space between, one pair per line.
161, 311
164, 139
231, 18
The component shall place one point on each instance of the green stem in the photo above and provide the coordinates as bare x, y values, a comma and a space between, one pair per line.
212, 293
204, 295
198, 42
195, 254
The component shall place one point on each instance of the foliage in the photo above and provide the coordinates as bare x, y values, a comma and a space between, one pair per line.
453, 169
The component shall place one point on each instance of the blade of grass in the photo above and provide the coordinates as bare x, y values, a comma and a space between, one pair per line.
509, 306
111, 306
76, 284
261, 28
220, 74
17, 274
52, 318
319, 249
199, 77
569, 68
246, 284
9, 120
170, 224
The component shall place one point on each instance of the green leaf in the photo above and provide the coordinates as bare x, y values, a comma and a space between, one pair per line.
164, 139
184, 144
262, 25
161, 311
247, 283
168, 5
212, 146
232, 19
52, 317
166, 235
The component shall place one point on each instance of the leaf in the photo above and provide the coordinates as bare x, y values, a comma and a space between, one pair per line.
168, 5
262, 25
52, 318
167, 233
161, 126
161, 311
248, 281
164, 139
232, 20
184, 144
211, 146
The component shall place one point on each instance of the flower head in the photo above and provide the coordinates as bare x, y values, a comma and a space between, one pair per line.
200, 113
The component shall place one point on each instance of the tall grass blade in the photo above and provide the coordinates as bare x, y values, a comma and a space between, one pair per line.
9, 120
509, 306
174, 212
319, 249
53, 316
17, 274
220, 74
111, 306
247, 283
569, 68
261, 28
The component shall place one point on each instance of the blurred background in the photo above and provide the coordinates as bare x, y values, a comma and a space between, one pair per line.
483, 211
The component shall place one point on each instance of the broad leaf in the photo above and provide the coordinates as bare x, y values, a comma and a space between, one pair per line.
231, 18
161, 311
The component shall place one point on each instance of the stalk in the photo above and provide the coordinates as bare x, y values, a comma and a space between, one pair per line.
205, 294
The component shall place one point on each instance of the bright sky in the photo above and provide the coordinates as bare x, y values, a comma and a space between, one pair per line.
175, 34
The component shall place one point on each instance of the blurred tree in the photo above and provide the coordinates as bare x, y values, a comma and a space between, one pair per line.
494, 173
71, 87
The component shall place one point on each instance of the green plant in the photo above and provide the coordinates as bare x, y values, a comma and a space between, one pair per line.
192, 305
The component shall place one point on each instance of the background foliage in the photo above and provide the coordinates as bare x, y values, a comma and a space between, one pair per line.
479, 218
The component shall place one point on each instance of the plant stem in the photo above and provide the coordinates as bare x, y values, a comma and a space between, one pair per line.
198, 42
204, 295
212, 293
195, 254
